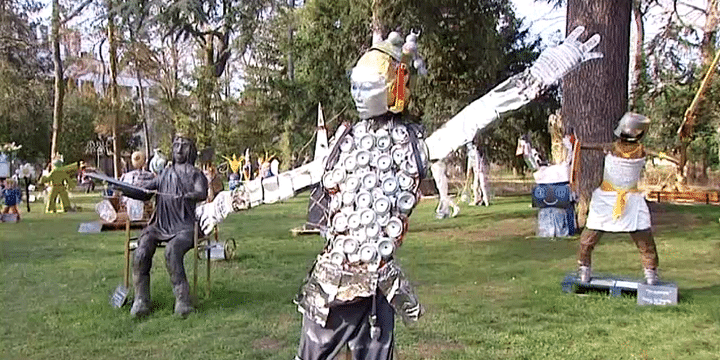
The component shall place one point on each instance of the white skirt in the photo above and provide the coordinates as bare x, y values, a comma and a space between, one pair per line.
635, 216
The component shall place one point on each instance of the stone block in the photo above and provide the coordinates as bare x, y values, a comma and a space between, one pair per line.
661, 294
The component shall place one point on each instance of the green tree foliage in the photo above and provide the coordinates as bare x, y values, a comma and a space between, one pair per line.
212, 25
25, 114
667, 106
282, 111
80, 113
469, 47
18, 42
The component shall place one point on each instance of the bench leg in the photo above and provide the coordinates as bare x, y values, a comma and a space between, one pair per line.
126, 274
195, 262
207, 273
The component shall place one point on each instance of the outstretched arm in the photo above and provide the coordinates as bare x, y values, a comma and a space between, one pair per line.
266, 191
256, 192
518, 90
604, 147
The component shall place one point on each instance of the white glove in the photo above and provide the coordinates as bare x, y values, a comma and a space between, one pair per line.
212, 213
556, 62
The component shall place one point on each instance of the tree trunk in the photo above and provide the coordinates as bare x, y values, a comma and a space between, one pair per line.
637, 52
59, 81
112, 53
708, 59
143, 115
206, 92
377, 27
596, 95
291, 30
712, 21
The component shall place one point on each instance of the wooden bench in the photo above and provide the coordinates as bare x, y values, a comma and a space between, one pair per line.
710, 197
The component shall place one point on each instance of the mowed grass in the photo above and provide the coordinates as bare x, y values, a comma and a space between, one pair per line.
491, 290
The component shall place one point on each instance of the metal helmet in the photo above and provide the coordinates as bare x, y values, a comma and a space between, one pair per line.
632, 126
381, 78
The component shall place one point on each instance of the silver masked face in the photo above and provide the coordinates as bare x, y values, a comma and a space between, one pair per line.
369, 90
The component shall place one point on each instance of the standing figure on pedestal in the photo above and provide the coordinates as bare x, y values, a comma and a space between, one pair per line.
369, 187
178, 189
477, 164
59, 180
446, 206
617, 205
158, 162
83, 180
13, 196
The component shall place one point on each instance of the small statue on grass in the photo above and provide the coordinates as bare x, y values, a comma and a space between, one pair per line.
60, 180
13, 196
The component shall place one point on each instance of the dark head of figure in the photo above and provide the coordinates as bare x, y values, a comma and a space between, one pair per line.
184, 150
632, 127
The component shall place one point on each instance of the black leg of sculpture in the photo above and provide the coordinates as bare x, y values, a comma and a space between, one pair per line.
141, 275
174, 254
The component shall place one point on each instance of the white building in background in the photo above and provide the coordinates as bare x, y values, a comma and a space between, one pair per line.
86, 73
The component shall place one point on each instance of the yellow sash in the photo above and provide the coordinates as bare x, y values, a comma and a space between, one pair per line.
621, 197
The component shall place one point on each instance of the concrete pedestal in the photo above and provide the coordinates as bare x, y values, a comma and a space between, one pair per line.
664, 293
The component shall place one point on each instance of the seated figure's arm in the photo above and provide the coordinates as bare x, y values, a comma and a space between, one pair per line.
200, 188
513, 93
143, 191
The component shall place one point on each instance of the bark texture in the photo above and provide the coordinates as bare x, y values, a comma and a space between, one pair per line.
595, 96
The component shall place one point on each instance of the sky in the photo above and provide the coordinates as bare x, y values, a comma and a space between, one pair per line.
547, 22
542, 19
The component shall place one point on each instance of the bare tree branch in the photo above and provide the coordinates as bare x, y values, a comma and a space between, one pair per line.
75, 12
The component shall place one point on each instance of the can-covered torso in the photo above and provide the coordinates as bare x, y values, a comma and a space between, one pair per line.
373, 188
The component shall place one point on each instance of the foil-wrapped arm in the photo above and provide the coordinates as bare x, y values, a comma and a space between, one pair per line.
267, 191
511, 94
256, 192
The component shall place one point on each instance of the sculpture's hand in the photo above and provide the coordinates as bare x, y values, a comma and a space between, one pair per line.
556, 62
212, 213
209, 214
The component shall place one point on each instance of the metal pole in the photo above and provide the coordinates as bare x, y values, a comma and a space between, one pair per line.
126, 275
27, 193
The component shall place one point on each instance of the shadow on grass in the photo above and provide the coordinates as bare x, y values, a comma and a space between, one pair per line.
463, 219
53, 253
698, 293
256, 297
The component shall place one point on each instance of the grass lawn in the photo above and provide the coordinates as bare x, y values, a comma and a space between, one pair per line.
490, 289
